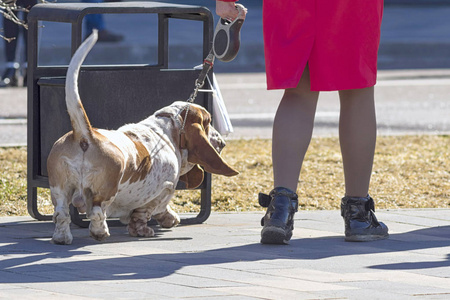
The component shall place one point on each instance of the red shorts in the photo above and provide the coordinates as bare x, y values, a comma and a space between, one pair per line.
338, 39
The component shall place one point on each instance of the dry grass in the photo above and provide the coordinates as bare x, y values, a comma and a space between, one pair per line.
13, 182
409, 172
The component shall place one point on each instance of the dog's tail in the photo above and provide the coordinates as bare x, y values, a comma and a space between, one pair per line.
80, 123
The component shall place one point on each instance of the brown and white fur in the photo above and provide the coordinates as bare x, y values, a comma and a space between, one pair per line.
130, 173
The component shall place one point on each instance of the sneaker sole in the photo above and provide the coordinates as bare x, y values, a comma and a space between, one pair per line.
365, 238
274, 235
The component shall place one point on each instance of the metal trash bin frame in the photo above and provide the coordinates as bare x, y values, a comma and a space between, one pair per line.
51, 78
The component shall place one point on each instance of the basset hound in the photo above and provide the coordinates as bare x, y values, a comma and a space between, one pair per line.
130, 173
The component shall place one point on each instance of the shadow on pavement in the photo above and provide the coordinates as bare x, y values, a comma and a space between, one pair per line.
71, 263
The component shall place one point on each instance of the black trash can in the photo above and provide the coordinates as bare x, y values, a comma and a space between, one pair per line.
129, 93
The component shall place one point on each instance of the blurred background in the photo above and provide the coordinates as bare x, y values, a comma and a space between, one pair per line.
415, 35
413, 82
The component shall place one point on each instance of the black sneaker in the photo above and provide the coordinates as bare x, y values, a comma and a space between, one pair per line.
361, 224
278, 221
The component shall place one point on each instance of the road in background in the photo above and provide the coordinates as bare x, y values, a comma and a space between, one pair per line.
408, 102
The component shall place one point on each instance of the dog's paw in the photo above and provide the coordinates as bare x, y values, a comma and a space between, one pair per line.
62, 239
167, 219
140, 229
99, 231
146, 232
62, 234
137, 225
100, 236
98, 227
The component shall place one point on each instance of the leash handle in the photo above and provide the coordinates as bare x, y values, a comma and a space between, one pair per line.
227, 36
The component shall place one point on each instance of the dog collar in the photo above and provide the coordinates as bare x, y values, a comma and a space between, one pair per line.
176, 119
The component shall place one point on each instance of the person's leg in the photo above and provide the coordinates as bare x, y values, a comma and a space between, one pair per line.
28, 4
11, 32
9, 77
357, 136
292, 131
24, 34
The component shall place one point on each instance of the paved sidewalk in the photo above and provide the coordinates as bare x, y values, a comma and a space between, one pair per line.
223, 259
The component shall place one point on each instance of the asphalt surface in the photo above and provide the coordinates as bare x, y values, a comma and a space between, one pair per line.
407, 102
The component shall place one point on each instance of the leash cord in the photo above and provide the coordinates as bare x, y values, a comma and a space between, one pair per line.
208, 63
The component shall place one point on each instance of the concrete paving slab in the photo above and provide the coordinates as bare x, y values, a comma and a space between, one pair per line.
223, 258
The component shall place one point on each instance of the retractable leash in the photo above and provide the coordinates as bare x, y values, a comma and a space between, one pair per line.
226, 43
227, 37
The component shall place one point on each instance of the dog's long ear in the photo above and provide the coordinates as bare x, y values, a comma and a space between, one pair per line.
200, 150
193, 178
